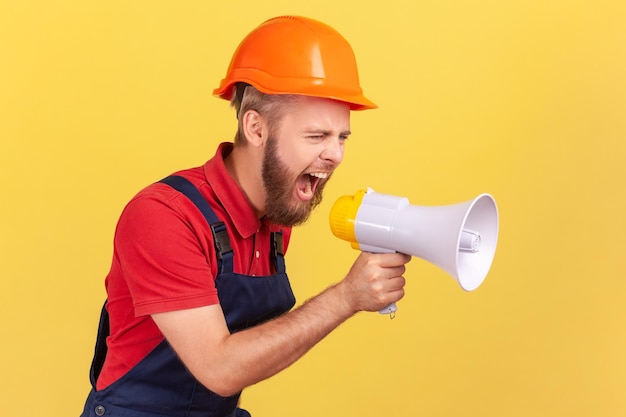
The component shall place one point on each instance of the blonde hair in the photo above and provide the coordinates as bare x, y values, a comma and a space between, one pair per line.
271, 106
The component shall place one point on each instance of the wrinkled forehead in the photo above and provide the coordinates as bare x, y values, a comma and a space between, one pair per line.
312, 113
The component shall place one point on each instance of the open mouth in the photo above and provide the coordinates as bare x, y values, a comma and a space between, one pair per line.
307, 183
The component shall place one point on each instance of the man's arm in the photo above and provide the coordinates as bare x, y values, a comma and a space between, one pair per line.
226, 363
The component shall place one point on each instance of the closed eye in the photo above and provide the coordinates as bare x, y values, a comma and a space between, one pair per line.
322, 135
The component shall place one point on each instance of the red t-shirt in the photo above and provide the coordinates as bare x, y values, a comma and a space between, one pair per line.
164, 258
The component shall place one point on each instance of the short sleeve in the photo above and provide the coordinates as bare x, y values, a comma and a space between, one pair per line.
163, 253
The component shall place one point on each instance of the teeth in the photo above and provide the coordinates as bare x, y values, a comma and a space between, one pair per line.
319, 174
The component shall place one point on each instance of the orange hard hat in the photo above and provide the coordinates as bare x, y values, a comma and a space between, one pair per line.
296, 55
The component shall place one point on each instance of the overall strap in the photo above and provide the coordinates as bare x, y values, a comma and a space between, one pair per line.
100, 351
220, 236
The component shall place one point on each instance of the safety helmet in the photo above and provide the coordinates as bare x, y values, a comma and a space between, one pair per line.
296, 55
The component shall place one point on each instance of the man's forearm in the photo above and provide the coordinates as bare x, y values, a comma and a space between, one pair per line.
264, 350
226, 363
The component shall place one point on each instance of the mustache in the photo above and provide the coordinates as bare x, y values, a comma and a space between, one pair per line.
324, 167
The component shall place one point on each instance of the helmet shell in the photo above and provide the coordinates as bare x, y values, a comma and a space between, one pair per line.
296, 55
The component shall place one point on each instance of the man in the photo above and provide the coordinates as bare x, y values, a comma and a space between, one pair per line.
198, 301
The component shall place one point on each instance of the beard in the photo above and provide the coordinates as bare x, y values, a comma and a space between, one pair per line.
281, 207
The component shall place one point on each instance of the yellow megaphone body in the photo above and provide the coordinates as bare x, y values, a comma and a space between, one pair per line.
460, 238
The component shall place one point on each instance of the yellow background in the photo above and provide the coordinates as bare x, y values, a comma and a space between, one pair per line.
524, 99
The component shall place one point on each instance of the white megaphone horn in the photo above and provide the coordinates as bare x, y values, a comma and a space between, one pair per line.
459, 238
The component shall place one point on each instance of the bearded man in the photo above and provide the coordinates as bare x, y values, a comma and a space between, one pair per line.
199, 305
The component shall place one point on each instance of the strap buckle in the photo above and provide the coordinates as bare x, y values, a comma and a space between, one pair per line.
221, 240
277, 244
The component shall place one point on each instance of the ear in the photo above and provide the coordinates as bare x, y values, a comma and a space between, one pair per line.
254, 128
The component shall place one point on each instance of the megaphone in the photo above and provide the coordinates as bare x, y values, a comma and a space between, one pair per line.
459, 238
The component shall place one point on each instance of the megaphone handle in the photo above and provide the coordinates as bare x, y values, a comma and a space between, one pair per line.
390, 309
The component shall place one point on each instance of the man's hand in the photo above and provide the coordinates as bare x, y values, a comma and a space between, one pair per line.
375, 281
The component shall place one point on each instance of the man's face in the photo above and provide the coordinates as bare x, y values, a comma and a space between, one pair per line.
300, 155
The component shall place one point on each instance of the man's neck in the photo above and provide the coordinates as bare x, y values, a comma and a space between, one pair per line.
244, 166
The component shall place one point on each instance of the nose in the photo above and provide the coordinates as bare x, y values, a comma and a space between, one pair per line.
333, 151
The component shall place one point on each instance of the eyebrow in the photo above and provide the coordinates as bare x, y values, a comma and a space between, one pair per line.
326, 132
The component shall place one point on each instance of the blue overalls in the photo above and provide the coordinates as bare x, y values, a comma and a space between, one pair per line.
160, 385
